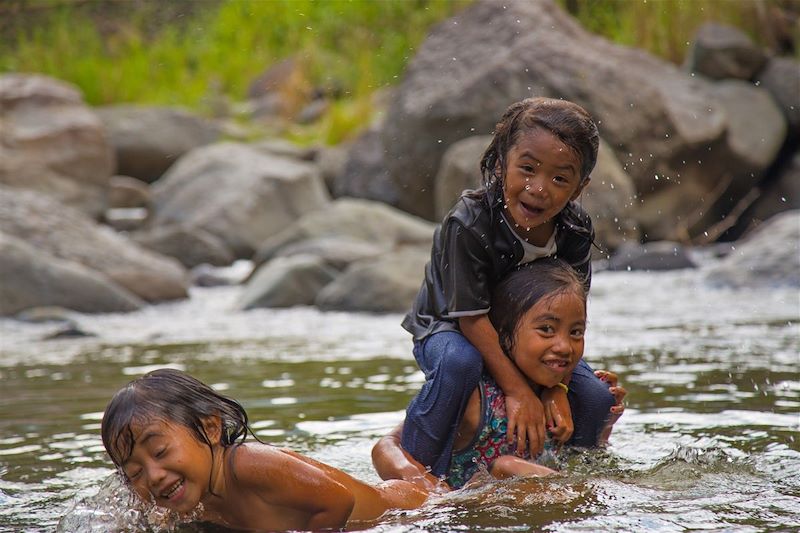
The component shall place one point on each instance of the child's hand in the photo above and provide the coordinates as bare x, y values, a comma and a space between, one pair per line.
617, 409
558, 414
525, 421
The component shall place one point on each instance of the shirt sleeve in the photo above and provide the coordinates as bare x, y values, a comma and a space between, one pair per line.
465, 268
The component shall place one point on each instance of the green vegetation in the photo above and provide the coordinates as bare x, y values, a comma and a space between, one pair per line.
204, 54
666, 28
130, 52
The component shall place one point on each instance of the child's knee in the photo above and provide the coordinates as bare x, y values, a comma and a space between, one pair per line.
464, 366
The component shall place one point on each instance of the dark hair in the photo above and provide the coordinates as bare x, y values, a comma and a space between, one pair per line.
171, 396
568, 121
523, 288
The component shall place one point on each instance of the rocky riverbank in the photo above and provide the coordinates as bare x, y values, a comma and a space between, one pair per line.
110, 209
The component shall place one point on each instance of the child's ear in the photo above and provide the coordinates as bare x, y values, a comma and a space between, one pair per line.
580, 188
212, 425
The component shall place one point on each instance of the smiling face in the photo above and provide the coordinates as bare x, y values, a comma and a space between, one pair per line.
543, 174
548, 341
168, 465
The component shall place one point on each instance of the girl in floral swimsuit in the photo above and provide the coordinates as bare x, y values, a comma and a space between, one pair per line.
539, 312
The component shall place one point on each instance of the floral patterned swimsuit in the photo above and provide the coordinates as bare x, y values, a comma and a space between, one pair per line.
490, 440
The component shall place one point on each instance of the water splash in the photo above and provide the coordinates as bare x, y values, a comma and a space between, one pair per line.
116, 509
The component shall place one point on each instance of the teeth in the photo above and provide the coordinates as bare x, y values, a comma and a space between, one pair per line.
168, 494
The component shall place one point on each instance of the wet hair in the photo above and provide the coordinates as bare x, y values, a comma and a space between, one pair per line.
526, 286
568, 121
172, 396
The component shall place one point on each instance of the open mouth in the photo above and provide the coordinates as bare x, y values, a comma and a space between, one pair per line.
530, 211
172, 490
557, 364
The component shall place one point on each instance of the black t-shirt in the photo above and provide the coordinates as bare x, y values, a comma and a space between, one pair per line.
473, 249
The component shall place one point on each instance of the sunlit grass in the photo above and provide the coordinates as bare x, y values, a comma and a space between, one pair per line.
153, 52
666, 28
347, 48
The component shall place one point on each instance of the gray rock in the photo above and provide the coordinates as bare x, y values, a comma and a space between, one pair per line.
781, 77
238, 194
720, 51
148, 140
756, 127
781, 194
610, 198
70, 235
31, 278
366, 173
362, 220
284, 148
657, 255
336, 252
388, 283
190, 246
459, 170
286, 282
769, 256
125, 191
331, 161
51, 142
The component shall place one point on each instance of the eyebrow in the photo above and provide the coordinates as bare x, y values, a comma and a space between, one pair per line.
530, 155
554, 318
141, 441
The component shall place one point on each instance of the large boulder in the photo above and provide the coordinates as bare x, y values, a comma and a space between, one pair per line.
365, 172
148, 140
70, 235
720, 51
781, 77
237, 193
190, 246
363, 220
768, 256
609, 199
51, 142
756, 133
286, 282
387, 284
664, 126
31, 278
459, 170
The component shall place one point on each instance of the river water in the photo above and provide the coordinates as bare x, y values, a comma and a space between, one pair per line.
709, 441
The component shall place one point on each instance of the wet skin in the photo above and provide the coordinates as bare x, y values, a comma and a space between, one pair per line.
254, 487
548, 343
542, 176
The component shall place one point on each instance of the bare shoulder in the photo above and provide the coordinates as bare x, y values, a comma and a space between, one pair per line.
257, 464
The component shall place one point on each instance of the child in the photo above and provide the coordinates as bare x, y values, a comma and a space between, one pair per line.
538, 162
539, 313
180, 444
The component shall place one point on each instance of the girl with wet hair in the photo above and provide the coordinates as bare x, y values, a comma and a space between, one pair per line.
181, 445
539, 312
538, 163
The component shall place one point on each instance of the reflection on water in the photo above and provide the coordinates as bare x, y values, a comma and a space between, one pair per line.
709, 439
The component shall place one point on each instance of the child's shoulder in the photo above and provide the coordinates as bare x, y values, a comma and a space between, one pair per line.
470, 209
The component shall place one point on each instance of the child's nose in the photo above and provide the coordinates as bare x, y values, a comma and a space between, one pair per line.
155, 475
562, 345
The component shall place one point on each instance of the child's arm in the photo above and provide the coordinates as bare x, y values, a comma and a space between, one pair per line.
558, 414
391, 461
283, 480
524, 410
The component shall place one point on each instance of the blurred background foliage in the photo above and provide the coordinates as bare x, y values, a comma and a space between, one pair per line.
204, 54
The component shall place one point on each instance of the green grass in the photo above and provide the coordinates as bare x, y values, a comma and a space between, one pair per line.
352, 47
198, 53
666, 28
